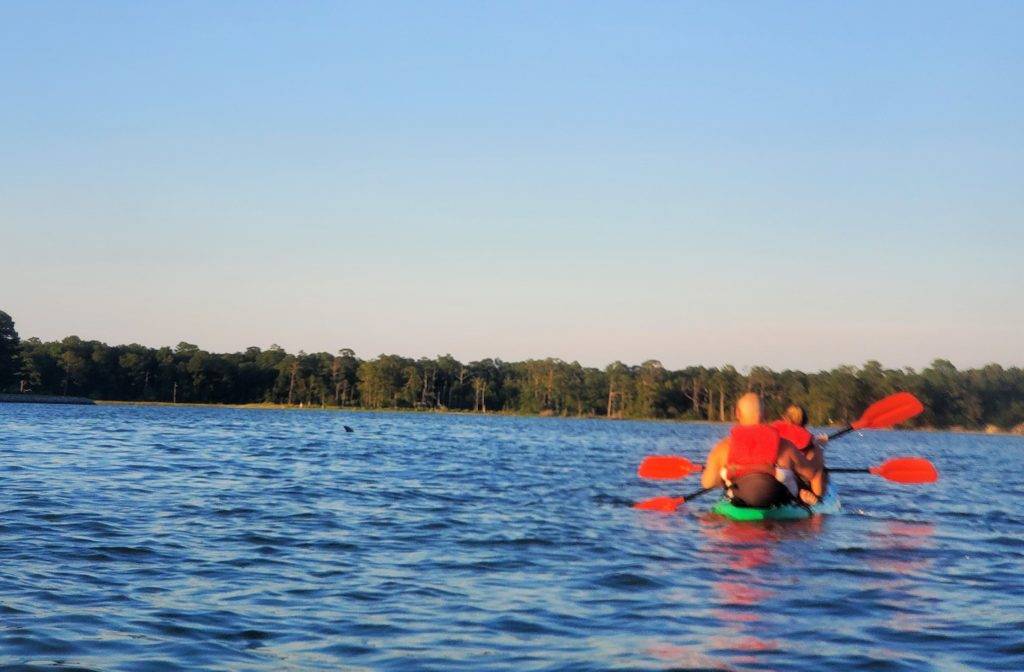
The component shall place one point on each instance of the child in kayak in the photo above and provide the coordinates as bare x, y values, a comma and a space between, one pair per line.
793, 428
757, 466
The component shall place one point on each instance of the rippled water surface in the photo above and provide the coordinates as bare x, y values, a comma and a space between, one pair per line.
136, 538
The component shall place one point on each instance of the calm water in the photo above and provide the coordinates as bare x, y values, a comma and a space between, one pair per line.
177, 538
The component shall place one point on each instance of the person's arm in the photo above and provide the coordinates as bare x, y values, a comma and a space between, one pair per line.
712, 476
792, 458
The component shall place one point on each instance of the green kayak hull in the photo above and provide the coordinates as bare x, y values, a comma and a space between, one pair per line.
828, 504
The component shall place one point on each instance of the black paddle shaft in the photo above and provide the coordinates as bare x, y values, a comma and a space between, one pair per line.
698, 493
841, 432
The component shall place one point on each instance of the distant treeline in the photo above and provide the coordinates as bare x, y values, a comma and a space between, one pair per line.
973, 398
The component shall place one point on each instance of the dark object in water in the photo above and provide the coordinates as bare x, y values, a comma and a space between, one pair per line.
347, 428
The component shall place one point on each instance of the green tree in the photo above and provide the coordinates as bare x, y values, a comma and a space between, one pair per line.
725, 385
380, 381
344, 377
10, 359
620, 389
136, 366
647, 390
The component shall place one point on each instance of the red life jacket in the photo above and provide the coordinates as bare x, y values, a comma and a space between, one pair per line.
752, 448
795, 434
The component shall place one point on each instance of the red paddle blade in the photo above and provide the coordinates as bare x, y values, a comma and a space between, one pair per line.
907, 470
892, 410
666, 467
663, 504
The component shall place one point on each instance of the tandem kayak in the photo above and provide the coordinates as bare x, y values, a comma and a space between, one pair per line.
828, 504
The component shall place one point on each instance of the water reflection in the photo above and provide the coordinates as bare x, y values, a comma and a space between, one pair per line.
683, 656
742, 612
890, 543
745, 590
746, 545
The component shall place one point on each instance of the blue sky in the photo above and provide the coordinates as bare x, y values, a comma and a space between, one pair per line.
797, 184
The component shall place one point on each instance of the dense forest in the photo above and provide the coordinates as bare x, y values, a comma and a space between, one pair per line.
973, 398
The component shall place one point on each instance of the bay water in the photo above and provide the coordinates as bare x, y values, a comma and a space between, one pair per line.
186, 538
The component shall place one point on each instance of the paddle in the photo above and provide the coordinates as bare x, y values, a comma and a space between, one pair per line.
899, 470
661, 467
906, 470
669, 504
892, 410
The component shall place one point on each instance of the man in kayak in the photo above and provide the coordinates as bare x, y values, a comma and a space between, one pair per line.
793, 428
757, 466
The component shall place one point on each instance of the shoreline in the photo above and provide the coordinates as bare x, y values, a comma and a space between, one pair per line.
356, 410
82, 401
45, 399
267, 406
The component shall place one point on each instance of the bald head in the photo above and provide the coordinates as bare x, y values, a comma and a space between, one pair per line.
748, 409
